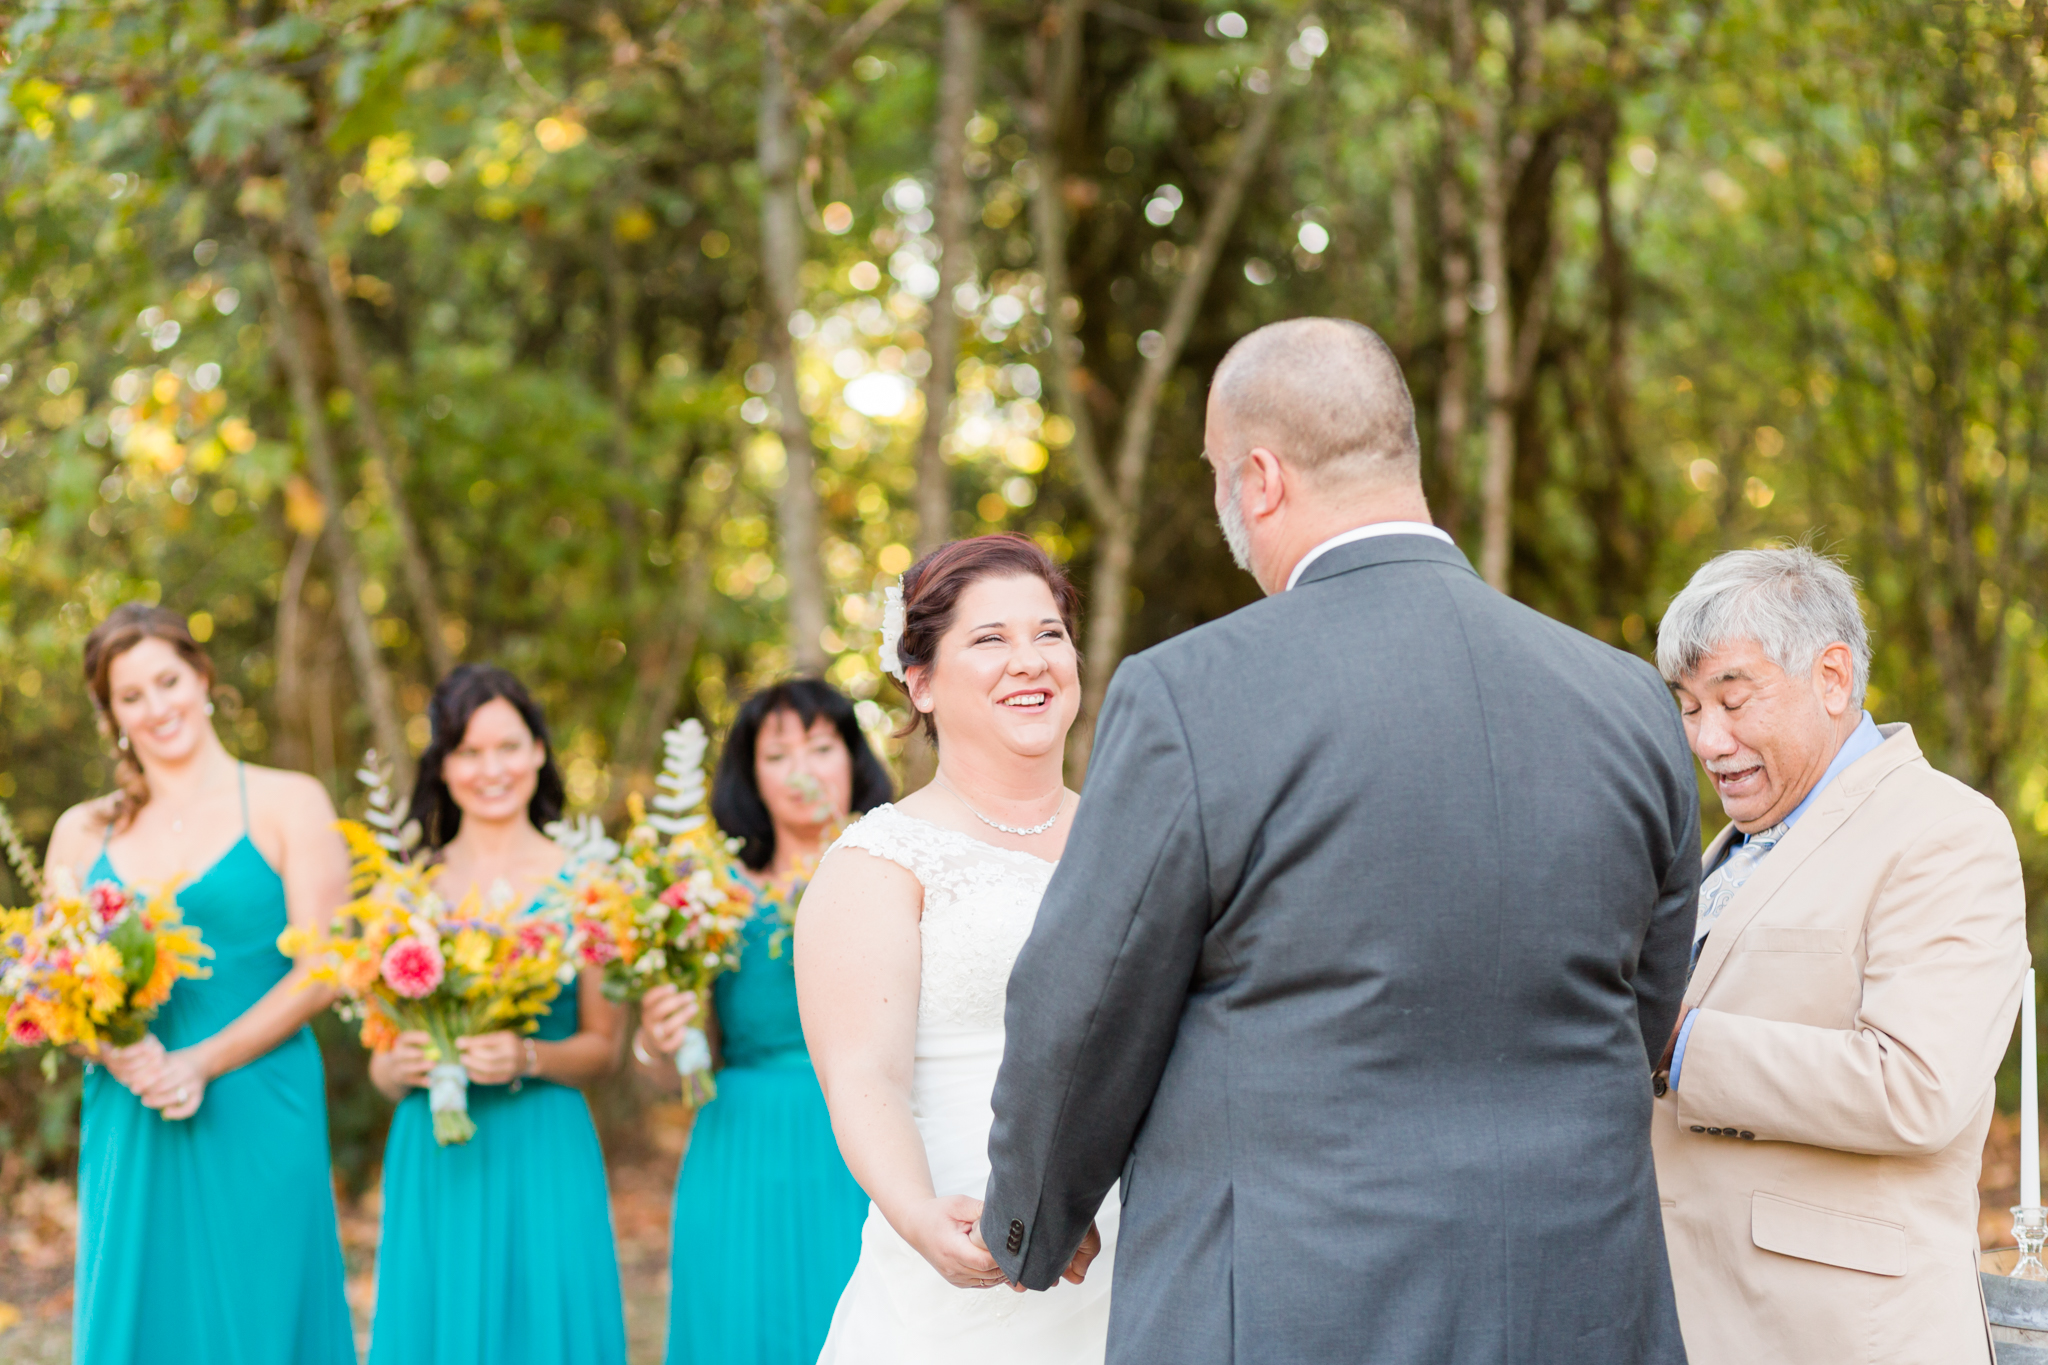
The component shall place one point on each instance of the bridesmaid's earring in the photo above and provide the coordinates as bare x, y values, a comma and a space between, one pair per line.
209, 708
121, 743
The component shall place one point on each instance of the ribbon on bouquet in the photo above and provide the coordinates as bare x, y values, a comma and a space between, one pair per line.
693, 1063
448, 1100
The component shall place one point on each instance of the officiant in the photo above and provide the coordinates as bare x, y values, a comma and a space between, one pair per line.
1857, 963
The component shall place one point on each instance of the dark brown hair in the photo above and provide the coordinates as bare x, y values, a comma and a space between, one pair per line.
736, 802
932, 588
465, 691
127, 626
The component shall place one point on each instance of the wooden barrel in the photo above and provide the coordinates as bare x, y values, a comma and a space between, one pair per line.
2018, 1310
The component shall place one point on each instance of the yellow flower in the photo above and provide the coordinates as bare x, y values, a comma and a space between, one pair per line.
101, 959
472, 951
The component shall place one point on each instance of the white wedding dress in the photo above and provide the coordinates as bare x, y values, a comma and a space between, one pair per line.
979, 904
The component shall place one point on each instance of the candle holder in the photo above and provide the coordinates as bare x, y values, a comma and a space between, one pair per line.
2030, 1230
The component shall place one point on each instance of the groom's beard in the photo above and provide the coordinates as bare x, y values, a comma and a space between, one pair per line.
1236, 534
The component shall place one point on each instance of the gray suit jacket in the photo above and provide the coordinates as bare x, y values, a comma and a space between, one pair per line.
1374, 919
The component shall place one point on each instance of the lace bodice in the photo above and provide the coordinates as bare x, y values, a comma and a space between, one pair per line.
979, 905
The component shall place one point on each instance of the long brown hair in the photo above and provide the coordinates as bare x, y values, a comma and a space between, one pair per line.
127, 626
932, 588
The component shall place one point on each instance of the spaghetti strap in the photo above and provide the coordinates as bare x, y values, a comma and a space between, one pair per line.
242, 777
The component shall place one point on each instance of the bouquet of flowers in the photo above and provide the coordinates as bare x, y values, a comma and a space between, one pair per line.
404, 959
666, 905
92, 968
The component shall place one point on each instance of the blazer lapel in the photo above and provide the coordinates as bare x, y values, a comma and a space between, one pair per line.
1840, 801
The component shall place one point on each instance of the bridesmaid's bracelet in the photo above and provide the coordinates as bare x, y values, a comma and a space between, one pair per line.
640, 1052
532, 1058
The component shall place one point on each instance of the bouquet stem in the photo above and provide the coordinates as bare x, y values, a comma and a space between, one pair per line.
693, 1063
448, 1098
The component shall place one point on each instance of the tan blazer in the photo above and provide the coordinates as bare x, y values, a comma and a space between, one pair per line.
1818, 1162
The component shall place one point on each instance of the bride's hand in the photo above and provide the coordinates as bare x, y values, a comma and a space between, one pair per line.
942, 1230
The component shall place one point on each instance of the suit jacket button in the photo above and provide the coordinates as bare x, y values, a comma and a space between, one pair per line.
1749, 1137
1660, 1084
1713, 1132
1016, 1238
1698, 1128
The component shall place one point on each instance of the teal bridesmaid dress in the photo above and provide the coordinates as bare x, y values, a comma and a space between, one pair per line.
211, 1240
499, 1251
767, 1218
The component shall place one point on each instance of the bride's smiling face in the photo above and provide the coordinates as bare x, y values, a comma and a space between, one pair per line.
1005, 674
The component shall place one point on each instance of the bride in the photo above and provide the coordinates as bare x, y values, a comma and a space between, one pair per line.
903, 955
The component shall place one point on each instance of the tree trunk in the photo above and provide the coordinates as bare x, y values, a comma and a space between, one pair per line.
620, 379
1407, 249
355, 376
293, 747
1454, 385
781, 260
1117, 537
1496, 489
1059, 71
373, 680
658, 691
1503, 151
958, 76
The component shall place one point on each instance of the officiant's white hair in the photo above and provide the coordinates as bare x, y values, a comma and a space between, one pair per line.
1793, 601
1328, 395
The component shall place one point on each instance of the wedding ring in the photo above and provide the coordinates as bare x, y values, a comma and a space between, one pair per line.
183, 1094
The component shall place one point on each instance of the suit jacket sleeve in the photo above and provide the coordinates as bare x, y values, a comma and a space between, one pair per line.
1096, 998
1665, 959
1946, 960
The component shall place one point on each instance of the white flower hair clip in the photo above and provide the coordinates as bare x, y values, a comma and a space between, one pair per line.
892, 632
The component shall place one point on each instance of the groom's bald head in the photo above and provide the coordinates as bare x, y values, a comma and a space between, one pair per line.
1326, 396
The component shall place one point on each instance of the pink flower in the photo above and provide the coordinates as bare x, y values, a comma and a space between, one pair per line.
599, 947
108, 901
676, 896
413, 968
23, 1031
533, 938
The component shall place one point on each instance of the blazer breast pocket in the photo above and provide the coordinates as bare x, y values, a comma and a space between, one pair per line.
1812, 1233
1768, 938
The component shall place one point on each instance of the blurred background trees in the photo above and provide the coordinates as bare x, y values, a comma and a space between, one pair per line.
634, 345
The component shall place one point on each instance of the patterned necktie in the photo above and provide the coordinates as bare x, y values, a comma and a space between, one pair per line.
1718, 890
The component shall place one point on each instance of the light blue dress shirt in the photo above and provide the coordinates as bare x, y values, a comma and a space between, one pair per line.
1862, 740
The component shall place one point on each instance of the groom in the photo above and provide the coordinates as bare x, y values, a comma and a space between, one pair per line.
1374, 919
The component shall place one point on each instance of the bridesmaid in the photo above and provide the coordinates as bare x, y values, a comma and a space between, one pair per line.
767, 1218
498, 1251
206, 1205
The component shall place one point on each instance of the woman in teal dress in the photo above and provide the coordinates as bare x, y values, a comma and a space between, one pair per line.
498, 1251
767, 1218
206, 1227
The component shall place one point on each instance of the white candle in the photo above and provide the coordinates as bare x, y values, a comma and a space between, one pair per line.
2030, 1103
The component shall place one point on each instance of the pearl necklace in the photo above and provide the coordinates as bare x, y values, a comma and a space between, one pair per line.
1026, 832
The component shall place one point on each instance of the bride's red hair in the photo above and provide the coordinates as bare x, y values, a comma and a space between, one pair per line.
932, 588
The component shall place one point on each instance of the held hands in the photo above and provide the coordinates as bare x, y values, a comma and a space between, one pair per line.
172, 1083
492, 1058
406, 1064
666, 1014
944, 1232
129, 1065
1077, 1268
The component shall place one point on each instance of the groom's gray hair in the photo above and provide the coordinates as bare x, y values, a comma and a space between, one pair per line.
1328, 395
1792, 600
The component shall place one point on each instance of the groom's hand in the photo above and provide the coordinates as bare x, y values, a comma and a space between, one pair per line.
1084, 1256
